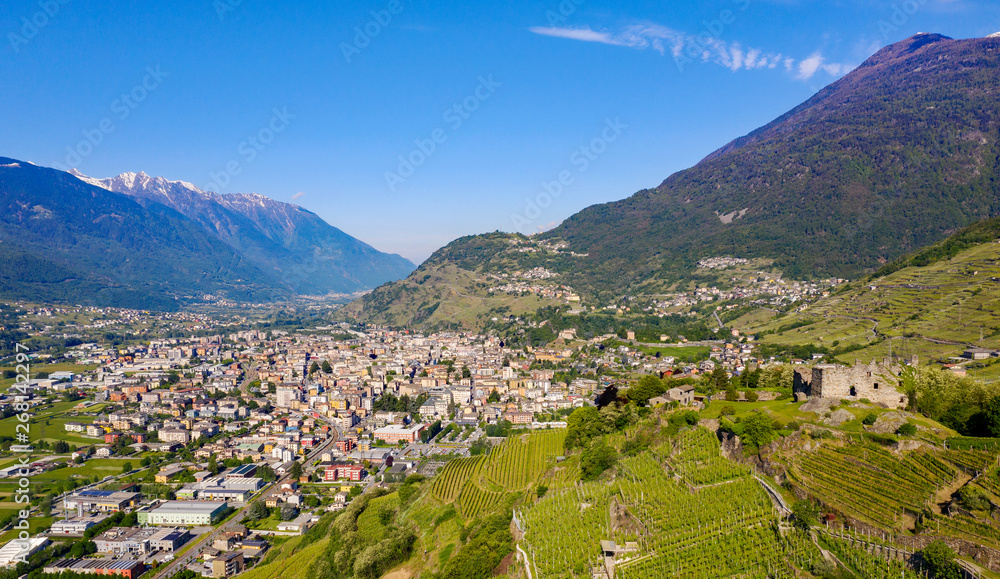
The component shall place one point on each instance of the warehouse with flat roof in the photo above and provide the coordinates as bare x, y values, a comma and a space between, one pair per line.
97, 500
183, 513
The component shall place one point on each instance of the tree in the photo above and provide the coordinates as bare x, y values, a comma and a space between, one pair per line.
127, 467
718, 380
941, 560
313, 368
806, 514
907, 429
758, 429
991, 410
494, 396
583, 425
60, 447
649, 386
596, 459
296, 470
46, 505
327, 368
257, 511
752, 395
266, 473
213, 465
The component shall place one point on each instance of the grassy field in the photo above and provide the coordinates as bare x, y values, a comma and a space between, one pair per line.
48, 423
40, 366
694, 353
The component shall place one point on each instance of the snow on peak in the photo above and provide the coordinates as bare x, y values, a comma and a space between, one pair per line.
127, 179
994, 35
95, 182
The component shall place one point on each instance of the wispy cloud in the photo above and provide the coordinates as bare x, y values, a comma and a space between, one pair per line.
583, 34
686, 48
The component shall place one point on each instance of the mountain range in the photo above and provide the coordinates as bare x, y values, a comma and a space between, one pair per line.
894, 156
141, 241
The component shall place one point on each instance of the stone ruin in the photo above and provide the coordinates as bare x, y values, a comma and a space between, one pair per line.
876, 382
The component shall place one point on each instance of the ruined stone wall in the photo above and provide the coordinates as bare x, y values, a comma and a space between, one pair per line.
876, 382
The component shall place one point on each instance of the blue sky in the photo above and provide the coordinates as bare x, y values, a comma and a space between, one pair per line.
410, 123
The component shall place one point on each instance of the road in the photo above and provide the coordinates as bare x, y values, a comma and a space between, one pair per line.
200, 542
249, 377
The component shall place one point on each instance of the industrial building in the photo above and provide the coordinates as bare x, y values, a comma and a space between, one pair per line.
105, 501
139, 541
182, 513
242, 471
75, 526
222, 489
17, 549
128, 568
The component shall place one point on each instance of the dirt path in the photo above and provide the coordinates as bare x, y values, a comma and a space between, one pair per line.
943, 497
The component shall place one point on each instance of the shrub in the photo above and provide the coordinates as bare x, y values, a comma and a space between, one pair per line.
941, 560
806, 514
869, 419
907, 429
973, 498
727, 410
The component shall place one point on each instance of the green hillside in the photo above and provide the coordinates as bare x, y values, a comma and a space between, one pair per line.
894, 156
451, 289
933, 303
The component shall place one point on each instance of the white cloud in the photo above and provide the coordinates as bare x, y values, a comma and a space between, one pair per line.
687, 48
583, 34
809, 66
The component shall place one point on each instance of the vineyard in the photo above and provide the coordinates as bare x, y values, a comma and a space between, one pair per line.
694, 455
864, 563
728, 526
868, 482
476, 484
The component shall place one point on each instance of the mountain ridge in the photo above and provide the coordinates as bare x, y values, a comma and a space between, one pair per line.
307, 253
894, 156
148, 243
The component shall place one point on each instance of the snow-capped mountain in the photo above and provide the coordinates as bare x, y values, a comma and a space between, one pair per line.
307, 253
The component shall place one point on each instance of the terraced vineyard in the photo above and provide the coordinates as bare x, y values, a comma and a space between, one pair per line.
449, 481
474, 501
694, 455
728, 526
476, 484
870, 483
866, 564
515, 465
